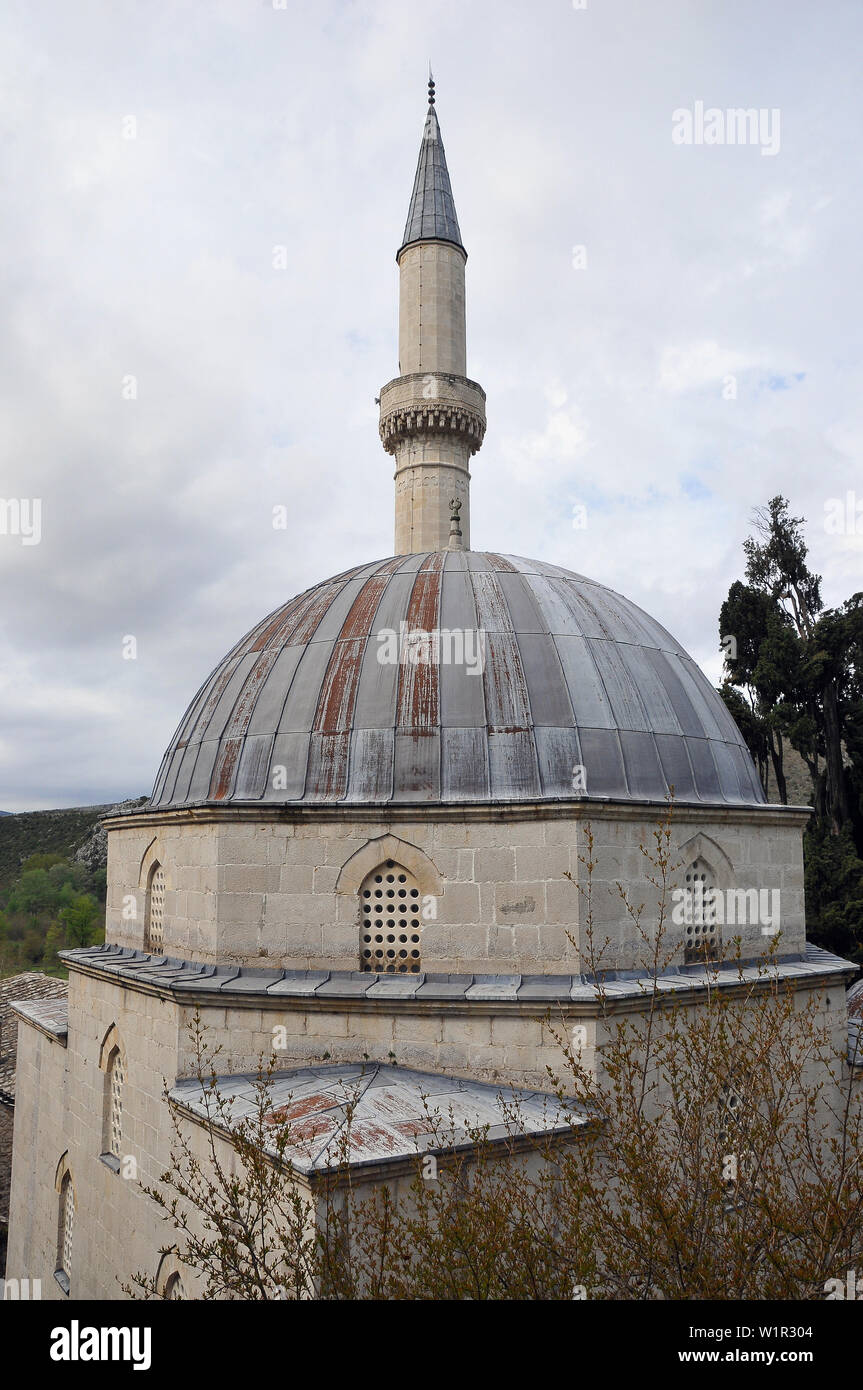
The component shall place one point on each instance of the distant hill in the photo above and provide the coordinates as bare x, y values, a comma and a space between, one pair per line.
47, 832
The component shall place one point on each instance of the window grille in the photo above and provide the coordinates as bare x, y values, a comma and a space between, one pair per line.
391, 921
154, 935
67, 1226
703, 937
117, 1079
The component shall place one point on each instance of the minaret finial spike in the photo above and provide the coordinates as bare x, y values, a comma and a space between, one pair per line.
455, 536
431, 87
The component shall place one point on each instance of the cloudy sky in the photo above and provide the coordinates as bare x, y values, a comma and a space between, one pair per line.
163, 385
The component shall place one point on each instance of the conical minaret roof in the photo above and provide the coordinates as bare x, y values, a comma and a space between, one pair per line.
431, 216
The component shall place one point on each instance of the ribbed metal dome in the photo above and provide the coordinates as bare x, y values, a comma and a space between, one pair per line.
312, 707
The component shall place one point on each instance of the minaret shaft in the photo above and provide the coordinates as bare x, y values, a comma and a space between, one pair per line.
432, 416
432, 335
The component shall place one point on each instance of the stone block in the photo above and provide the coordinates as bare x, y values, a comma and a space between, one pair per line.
296, 879
466, 1030
459, 904
516, 1032
519, 902
324, 879
562, 901
527, 834
495, 864
239, 909
419, 1029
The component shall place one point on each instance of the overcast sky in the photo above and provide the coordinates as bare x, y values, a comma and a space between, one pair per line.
153, 156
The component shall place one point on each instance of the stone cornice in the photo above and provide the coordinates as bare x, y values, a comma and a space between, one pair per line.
434, 418
577, 810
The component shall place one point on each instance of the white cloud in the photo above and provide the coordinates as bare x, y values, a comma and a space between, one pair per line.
258, 127
692, 365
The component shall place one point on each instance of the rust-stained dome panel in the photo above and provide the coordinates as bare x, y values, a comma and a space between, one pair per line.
539, 671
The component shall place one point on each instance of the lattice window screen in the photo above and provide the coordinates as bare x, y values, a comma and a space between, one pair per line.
118, 1080
703, 936
67, 1225
154, 936
391, 921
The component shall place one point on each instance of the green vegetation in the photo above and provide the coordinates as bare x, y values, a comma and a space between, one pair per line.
54, 903
47, 832
794, 678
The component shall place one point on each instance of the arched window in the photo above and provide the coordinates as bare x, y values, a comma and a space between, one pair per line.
154, 924
65, 1231
730, 1113
115, 1079
169, 1278
391, 921
702, 934
112, 1061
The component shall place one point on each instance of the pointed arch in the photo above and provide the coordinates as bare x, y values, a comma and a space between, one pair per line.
62, 1171
172, 1278
701, 846
154, 908
112, 1041
155, 881
152, 853
375, 852
112, 1061
67, 1204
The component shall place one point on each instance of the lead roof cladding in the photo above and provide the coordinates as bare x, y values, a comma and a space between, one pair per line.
556, 672
431, 215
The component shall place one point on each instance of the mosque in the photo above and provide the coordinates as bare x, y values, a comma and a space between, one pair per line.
366, 838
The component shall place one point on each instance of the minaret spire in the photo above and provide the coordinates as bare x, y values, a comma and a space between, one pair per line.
431, 215
432, 415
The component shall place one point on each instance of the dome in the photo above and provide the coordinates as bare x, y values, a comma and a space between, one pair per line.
341, 696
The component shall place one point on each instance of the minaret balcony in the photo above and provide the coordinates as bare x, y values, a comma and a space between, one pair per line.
432, 403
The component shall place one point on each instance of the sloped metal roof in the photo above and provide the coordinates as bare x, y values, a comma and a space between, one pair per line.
431, 216
29, 987
369, 1113
564, 674
175, 975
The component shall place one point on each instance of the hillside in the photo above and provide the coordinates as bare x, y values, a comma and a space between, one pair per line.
47, 832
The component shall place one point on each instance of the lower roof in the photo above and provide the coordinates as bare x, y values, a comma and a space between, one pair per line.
192, 978
368, 1113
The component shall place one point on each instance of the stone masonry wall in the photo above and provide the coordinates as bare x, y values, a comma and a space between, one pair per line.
60, 1101
284, 891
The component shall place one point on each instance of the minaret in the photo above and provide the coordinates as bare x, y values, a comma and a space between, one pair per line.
432, 415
